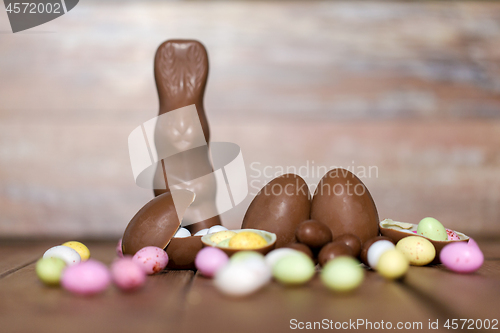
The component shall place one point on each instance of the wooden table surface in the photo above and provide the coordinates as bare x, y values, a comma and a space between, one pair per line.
183, 301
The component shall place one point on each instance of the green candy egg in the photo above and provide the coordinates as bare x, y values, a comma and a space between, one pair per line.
224, 243
342, 274
49, 270
294, 269
433, 229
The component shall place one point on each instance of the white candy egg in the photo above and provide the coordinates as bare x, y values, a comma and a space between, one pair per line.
216, 228
376, 250
275, 255
182, 233
240, 279
65, 253
202, 232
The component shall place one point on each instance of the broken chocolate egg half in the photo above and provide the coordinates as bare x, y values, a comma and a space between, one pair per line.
269, 241
398, 230
156, 223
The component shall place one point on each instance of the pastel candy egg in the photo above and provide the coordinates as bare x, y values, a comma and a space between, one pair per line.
67, 254
152, 259
209, 260
376, 250
392, 264
342, 274
238, 279
127, 274
222, 236
202, 232
182, 233
82, 250
247, 240
275, 255
432, 228
294, 269
418, 250
216, 228
462, 257
87, 278
49, 270
119, 250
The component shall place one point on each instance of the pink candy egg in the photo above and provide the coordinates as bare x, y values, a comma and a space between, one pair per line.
119, 250
452, 235
462, 257
86, 278
127, 274
209, 260
152, 259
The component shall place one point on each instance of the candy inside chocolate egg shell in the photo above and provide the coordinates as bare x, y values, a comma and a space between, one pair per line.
344, 204
279, 207
396, 231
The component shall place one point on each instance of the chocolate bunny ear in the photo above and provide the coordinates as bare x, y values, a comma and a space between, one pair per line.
181, 72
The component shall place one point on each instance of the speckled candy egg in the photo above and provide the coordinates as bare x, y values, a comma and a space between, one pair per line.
67, 254
462, 257
82, 250
209, 260
418, 250
152, 259
127, 274
87, 278
452, 235
432, 228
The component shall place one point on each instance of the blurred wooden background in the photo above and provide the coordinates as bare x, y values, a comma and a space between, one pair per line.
411, 88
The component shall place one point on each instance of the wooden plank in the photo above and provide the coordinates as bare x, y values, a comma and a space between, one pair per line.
273, 308
465, 296
28, 306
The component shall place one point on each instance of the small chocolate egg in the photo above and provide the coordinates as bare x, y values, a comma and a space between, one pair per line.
364, 249
279, 207
344, 204
352, 241
333, 250
302, 248
313, 233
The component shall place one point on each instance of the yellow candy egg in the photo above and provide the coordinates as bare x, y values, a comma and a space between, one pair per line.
222, 235
418, 250
247, 240
82, 250
392, 264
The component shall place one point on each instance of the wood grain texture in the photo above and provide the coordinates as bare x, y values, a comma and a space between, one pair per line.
177, 301
410, 87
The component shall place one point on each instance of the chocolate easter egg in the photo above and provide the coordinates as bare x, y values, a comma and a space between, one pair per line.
313, 233
157, 222
343, 203
279, 207
333, 250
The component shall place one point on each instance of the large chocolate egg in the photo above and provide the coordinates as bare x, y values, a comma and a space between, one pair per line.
343, 203
279, 207
157, 222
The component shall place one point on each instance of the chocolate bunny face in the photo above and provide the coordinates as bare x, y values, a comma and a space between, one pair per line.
181, 72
